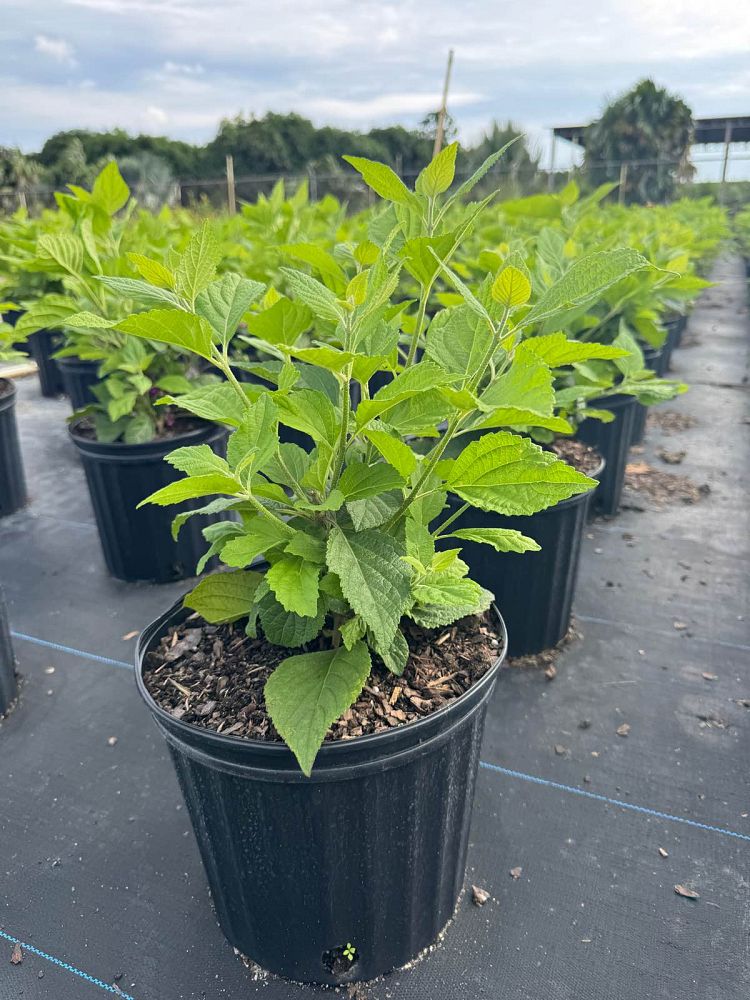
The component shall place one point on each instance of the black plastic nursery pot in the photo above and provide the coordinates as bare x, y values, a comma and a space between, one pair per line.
8, 678
612, 441
78, 377
369, 852
138, 544
534, 589
12, 480
42, 345
653, 360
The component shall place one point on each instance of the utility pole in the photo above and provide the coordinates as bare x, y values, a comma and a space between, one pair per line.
443, 108
231, 199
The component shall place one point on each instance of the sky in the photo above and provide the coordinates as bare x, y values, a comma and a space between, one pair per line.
177, 67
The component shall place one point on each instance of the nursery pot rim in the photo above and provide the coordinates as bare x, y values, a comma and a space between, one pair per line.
332, 756
122, 450
72, 361
7, 398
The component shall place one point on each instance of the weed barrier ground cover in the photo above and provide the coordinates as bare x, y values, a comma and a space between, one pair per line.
601, 790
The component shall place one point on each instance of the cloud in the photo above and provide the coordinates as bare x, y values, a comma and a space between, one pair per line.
57, 49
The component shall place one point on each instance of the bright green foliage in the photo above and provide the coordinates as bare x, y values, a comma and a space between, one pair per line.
528, 336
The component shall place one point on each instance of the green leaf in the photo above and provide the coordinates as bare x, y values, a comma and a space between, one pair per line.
319, 299
64, 248
381, 179
511, 288
141, 291
311, 412
438, 175
289, 465
223, 303
110, 192
48, 313
396, 655
152, 270
197, 460
215, 507
374, 577
501, 539
479, 173
139, 429
294, 581
260, 534
220, 403
171, 326
443, 600
308, 546
307, 693
259, 430
282, 323
417, 380
393, 450
526, 385
360, 481
192, 487
224, 597
511, 475
284, 628
585, 281
90, 321
197, 265
373, 511
352, 631
556, 350
458, 340
321, 260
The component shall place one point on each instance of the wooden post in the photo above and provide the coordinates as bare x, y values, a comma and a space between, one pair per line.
725, 162
443, 108
231, 198
551, 174
623, 182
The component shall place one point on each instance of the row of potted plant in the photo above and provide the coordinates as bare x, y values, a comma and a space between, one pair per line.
370, 441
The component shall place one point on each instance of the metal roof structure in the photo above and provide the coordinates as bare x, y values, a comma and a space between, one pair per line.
734, 128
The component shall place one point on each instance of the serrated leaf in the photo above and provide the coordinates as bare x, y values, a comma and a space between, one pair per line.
192, 487
585, 281
511, 288
90, 321
352, 630
282, 323
526, 385
417, 380
501, 539
64, 248
224, 302
152, 271
445, 600
294, 581
260, 534
393, 450
197, 265
314, 294
458, 340
289, 465
171, 326
381, 179
141, 291
307, 693
311, 412
220, 403
510, 475
555, 350
48, 313
284, 628
359, 480
197, 460
438, 175
224, 597
110, 192
374, 578
258, 430
396, 655
373, 511
215, 507
308, 546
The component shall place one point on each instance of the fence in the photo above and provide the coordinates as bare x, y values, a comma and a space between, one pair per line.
511, 182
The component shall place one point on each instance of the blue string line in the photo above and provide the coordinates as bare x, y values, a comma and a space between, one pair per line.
70, 649
65, 965
645, 810
612, 802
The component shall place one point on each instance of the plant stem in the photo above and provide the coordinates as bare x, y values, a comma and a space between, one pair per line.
431, 461
450, 519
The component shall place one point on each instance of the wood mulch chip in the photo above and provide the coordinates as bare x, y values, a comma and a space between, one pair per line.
213, 676
580, 455
661, 487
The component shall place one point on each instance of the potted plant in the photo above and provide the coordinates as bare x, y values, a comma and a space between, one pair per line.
122, 437
330, 798
12, 480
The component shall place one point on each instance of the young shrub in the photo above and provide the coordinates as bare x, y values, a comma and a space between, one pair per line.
348, 528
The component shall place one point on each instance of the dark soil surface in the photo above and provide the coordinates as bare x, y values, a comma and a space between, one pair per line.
175, 427
213, 676
581, 456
